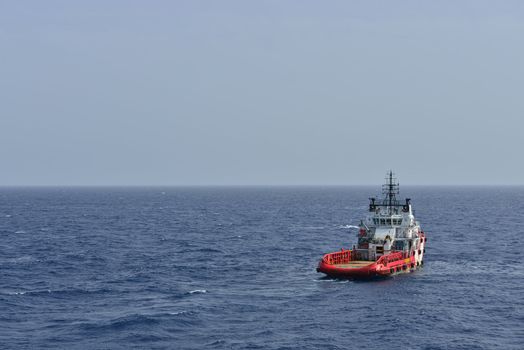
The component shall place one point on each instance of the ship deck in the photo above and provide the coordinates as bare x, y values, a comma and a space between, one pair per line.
357, 264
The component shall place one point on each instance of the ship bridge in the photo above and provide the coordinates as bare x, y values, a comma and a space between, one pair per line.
394, 220
390, 219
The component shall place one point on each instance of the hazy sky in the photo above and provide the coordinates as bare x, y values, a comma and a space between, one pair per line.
261, 92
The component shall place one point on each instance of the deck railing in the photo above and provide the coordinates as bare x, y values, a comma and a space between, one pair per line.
393, 256
346, 256
342, 257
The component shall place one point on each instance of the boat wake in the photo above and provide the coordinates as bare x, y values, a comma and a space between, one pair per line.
348, 226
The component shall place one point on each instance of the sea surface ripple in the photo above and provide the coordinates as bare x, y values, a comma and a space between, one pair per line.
234, 268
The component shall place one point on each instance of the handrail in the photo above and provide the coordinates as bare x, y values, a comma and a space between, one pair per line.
346, 256
342, 257
394, 256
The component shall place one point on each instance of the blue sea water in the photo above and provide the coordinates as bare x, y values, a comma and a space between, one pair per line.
234, 268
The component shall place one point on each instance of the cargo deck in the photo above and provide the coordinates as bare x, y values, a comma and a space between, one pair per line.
357, 264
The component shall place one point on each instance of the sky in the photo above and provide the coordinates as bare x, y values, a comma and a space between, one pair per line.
261, 92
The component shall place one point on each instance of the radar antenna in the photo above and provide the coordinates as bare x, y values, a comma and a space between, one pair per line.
390, 189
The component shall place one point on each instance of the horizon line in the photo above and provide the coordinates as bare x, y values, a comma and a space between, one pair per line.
246, 185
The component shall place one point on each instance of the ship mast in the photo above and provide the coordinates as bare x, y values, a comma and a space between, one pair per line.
390, 189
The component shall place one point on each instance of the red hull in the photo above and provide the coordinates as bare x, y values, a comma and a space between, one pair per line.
340, 265
340, 272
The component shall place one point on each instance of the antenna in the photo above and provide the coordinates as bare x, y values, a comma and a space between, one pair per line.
390, 189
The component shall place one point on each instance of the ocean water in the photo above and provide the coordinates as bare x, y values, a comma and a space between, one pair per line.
234, 268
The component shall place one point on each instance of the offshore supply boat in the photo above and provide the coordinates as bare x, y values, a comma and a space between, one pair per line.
390, 240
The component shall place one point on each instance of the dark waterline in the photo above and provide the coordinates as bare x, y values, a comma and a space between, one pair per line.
234, 267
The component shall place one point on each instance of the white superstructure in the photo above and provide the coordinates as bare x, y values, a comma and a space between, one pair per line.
391, 226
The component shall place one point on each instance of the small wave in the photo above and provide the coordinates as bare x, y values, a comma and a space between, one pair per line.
209, 250
8, 216
184, 312
28, 292
219, 342
60, 292
22, 260
198, 291
13, 293
132, 320
20, 231
348, 226
312, 228
124, 322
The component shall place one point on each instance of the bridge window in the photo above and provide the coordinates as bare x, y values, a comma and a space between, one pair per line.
382, 221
